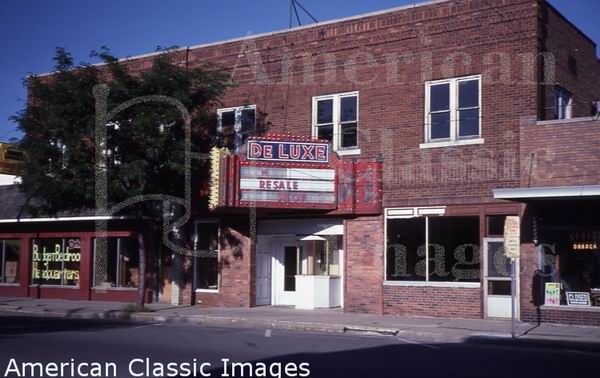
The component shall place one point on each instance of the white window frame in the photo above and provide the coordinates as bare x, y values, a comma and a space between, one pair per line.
337, 124
238, 118
454, 139
417, 212
560, 95
195, 242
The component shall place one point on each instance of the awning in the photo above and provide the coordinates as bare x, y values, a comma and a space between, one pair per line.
556, 192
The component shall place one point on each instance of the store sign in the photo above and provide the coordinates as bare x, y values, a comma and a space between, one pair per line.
56, 261
512, 237
552, 294
578, 299
297, 185
292, 152
11, 160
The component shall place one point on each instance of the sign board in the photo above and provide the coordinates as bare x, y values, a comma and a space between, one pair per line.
11, 160
297, 185
290, 152
552, 294
512, 237
578, 299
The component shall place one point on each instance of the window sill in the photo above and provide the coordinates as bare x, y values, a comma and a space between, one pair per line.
349, 152
468, 285
213, 291
68, 287
99, 288
9, 285
452, 143
572, 308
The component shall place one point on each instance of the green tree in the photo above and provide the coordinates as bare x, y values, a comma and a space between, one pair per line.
144, 151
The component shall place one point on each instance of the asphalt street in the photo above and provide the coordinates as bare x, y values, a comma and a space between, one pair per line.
76, 341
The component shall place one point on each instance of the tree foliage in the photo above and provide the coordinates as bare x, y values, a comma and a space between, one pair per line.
145, 143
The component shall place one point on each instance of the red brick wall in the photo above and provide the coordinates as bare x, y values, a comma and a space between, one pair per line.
390, 54
560, 153
433, 301
363, 272
236, 260
562, 39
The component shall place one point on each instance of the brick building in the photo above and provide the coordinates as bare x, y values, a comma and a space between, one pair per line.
455, 101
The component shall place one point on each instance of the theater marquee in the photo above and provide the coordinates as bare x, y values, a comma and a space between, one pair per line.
286, 172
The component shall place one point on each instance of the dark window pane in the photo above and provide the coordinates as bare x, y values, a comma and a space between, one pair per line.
440, 126
248, 120
207, 262
325, 132
349, 135
405, 249
498, 265
207, 273
324, 111
111, 263
469, 123
129, 263
454, 249
228, 118
290, 262
349, 109
208, 234
11, 261
496, 225
468, 94
499, 288
440, 97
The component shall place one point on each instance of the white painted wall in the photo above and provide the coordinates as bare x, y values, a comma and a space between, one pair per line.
9, 180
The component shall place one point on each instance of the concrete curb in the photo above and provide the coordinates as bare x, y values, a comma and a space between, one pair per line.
331, 328
208, 321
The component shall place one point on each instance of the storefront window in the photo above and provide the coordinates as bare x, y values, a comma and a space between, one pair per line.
119, 267
207, 255
56, 261
321, 255
10, 250
452, 255
572, 260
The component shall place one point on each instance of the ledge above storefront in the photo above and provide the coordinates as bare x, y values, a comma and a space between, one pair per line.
548, 193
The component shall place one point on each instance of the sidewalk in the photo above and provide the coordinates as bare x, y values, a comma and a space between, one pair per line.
334, 321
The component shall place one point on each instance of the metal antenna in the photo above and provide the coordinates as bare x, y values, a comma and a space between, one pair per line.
294, 9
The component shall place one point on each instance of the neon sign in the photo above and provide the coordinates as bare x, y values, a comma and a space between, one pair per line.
293, 152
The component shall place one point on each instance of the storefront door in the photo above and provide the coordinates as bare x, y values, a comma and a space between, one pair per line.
286, 267
263, 277
497, 280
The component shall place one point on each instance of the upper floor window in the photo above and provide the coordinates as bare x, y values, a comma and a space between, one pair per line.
453, 111
335, 118
563, 104
236, 125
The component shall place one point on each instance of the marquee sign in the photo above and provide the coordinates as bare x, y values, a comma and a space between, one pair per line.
298, 185
290, 172
291, 152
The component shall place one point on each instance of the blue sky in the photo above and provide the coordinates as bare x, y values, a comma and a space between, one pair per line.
31, 29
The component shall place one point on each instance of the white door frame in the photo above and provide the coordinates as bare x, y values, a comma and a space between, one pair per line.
486, 241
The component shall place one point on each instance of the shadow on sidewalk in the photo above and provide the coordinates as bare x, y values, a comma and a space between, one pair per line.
11, 326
